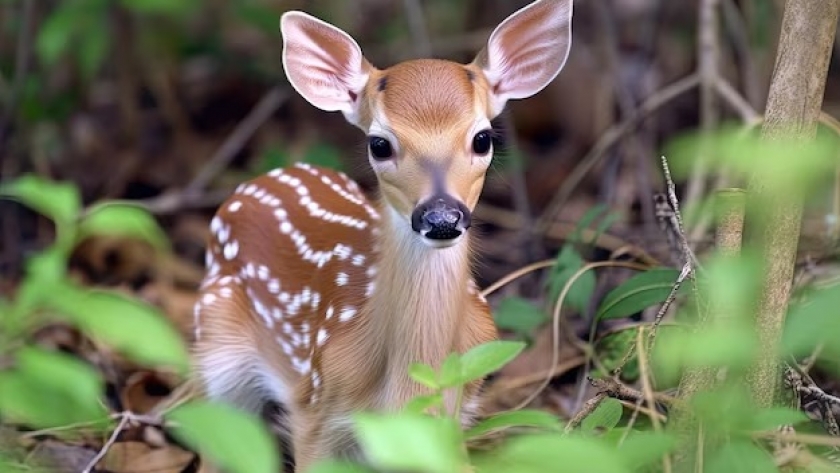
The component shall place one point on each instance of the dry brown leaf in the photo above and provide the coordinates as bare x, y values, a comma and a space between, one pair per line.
137, 457
143, 390
61, 457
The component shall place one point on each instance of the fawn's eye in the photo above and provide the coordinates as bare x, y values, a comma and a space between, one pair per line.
482, 142
380, 148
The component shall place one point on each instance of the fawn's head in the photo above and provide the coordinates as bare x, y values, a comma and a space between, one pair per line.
428, 120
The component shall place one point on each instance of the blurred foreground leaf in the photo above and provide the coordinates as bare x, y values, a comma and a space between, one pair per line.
411, 442
236, 441
551, 452
522, 418
135, 329
59, 201
123, 219
48, 389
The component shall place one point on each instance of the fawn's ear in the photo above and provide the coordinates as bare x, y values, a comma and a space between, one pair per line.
323, 63
527, 50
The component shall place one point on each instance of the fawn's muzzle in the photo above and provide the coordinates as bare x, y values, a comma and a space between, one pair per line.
441, 217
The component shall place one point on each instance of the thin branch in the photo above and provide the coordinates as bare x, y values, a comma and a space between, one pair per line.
588, 408
686, 271
708, 54
675, 204
517, 274
417, 28
22, 56
555, 316
234, 143
124, 419
738, 103
609, 139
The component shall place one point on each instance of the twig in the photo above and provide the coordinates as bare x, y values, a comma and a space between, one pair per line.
516, 170
194, 195
647, 391
675, 204
22, 53
587, 408
738, 103
261, 112
635, 154
611, 387
808, 439
660, 314
555, 317
517, 274
176, 201
417, 27
609, 139
562, 230
124, 419
708, 53
509, 384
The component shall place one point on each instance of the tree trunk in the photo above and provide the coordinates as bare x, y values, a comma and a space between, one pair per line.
793, 108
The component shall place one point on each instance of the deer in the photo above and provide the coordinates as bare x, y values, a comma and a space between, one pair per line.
317, 297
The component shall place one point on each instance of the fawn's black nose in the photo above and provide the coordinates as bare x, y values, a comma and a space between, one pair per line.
441, 217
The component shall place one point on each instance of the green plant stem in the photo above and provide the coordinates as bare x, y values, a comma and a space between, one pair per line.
793, 109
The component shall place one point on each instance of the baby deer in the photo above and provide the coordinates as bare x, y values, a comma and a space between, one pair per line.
318, 298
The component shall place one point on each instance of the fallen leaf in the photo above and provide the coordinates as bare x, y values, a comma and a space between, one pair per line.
137, 457
143, 390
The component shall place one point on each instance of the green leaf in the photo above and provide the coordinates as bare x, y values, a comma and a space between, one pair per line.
55, 35
411, 442
641, 449
451, 371
542, 453
43, 272
731, 343
59, 201
487, 358
813, 322
522, 418
94, 46
774, 417
419, 404
423, 374
638, 293
588, 218
605, 417
568, 263
741, 456
137, 330
519, 315
232, 439
48, 389
612, 348
123, 219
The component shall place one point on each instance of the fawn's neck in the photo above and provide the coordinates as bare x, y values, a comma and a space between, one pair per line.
420, 297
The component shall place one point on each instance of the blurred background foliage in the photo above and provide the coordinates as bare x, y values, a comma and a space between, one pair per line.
170, 104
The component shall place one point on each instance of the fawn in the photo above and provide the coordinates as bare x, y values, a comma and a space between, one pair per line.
317, 298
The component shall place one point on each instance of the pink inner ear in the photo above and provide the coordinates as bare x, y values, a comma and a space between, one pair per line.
528, 49
324, 64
